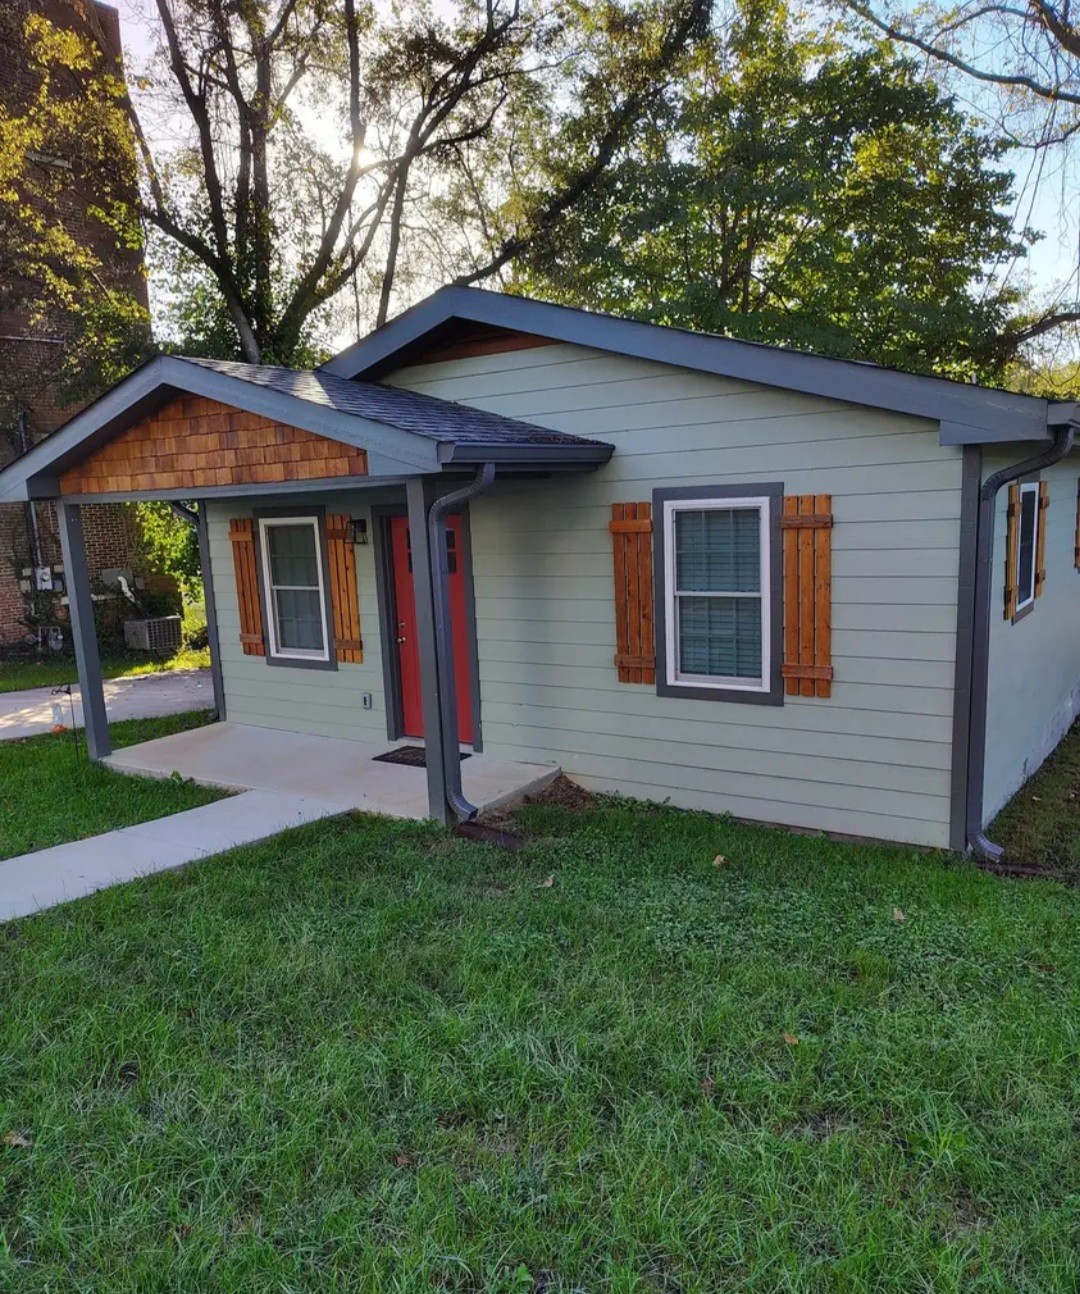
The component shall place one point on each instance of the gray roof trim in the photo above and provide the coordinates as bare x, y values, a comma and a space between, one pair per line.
976, 414
393, 452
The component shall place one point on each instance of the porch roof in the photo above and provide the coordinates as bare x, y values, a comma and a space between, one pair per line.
403, 433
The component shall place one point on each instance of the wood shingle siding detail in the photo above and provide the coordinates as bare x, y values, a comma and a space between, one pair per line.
1012, 551
343, 592
635, 646
194, 442
807, 527
242, 539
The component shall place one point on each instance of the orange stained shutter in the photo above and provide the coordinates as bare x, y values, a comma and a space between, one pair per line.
1012, 551
635, 644
807, 528
344, 596
1076, 535
1040, 542
242, 538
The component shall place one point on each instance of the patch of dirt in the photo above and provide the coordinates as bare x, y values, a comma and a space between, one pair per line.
564, 794
559, 794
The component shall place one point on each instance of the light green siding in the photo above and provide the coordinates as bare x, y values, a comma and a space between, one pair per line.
1034, 678
327, 702
873, 759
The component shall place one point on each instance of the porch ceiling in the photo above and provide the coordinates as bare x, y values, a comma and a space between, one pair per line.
368, 433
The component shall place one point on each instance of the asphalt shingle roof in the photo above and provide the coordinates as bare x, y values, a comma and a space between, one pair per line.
440, 420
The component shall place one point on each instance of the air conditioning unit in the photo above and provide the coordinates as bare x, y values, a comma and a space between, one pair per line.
160, 635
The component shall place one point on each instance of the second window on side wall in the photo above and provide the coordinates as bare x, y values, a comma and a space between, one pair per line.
294, 588
717, 618
1028, 545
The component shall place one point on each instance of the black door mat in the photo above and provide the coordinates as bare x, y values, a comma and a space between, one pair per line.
412, 756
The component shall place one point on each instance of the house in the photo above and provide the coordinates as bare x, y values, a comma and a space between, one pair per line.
735, 577
32, 347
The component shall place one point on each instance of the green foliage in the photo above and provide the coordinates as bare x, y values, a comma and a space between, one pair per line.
171, 547
326, 146
70, 235
369, 1056
194, 631
803, 189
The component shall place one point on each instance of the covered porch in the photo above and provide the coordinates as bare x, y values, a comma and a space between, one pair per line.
345, 470
350, 774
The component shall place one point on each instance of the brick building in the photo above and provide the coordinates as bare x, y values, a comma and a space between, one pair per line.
31, 351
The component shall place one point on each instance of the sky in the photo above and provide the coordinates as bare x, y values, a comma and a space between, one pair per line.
1046, 186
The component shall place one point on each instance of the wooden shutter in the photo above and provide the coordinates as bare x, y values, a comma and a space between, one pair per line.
635, 645
1076, 535
242, 538
1012, 551
807, 528
1040, 540
344, 597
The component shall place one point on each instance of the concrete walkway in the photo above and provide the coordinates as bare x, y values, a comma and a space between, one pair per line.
145, 696
291, 778
50, 876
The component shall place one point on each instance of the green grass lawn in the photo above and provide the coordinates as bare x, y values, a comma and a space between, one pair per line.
16, 674
50, 793
1041, 824
367, 1056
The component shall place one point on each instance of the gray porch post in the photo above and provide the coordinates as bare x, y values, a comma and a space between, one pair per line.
81, 611
417, 499
211, 612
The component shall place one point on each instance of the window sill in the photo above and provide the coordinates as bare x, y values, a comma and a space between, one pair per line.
695, 692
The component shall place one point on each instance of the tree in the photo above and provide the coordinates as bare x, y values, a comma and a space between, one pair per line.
322, 145
1028, 58
798, 189
70, 239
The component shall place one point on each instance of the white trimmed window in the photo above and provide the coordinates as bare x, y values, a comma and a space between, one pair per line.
717, 593
1028, 545
294, 588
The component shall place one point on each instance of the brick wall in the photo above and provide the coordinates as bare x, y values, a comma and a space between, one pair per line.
30, 352
112, 543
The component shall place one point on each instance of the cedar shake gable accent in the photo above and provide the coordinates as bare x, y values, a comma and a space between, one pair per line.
186, 426
194, 442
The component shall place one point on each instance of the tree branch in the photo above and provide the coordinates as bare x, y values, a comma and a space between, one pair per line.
1055, 93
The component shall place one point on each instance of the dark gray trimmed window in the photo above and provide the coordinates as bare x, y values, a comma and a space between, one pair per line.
294, 588
1028, 546
718, 604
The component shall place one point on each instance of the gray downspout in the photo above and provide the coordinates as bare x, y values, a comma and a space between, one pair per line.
444, 643
981, 846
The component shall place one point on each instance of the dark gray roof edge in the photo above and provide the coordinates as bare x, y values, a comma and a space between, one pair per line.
982, 415
392, 451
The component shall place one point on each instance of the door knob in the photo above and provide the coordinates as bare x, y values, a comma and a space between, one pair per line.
401, 639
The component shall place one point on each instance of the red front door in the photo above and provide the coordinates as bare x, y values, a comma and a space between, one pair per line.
412, 712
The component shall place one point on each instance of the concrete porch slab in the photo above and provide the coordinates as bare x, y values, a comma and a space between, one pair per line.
328, 769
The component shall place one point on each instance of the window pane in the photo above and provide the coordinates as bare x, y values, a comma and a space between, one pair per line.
293, 559
299, 620
720, 636
718, 550
1029, 511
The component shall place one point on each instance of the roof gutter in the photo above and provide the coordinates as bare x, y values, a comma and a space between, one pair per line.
444, 644
984, 848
